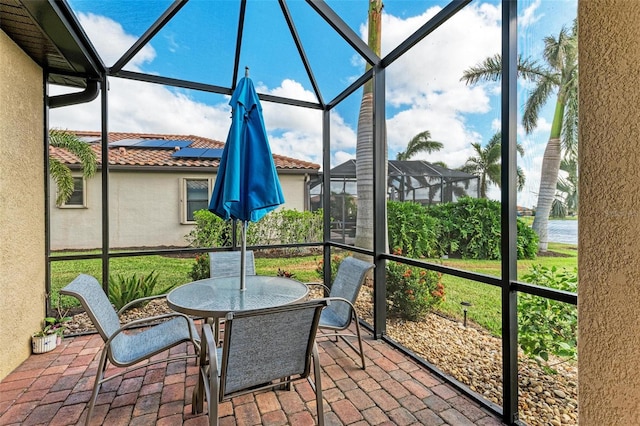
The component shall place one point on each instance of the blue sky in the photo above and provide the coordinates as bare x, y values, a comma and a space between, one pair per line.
424, 91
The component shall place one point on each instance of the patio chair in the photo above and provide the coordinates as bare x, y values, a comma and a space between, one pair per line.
125, 349
343, 293
227, 263
262, 349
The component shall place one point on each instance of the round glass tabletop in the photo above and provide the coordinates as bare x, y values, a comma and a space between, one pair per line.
215, 297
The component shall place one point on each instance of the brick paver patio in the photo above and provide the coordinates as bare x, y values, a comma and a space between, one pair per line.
53, 389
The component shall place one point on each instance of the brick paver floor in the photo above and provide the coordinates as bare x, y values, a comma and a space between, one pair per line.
53, 389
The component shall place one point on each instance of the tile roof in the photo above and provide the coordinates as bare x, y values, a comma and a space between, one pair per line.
158, 157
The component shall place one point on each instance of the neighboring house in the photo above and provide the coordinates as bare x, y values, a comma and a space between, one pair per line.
408, 180
156, 182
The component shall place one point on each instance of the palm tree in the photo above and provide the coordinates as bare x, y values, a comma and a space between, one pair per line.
364, 142
59, 172
420, 143
486, 164
566, 200
560, 76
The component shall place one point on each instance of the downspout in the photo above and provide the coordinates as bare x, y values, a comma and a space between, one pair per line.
90, 93
87, 95
307, 196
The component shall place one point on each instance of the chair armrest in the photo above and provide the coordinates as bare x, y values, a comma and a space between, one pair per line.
208, 366
212, 350
342, 299
143, 321
318, 284
137, 301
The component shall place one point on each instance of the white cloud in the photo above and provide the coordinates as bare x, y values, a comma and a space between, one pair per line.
424, 92
113, 47
529, 15
142, 107
135, 106
425, 87
296, 131
146, 108
340, 157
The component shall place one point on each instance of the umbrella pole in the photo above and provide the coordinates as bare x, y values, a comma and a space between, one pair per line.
243, 255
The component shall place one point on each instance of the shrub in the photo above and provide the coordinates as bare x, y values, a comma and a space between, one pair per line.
286, 227
210, 230
412, 292
546, 326
123, 290
471, 229
201, 268
527, 241
336, 260
412, 230
278, 227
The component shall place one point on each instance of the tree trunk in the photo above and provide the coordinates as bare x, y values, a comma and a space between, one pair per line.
549, 178
364, 174
364, 145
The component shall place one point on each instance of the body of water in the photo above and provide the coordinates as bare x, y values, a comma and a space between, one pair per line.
563, 231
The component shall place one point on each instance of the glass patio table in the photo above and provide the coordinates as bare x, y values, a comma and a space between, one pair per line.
215, 297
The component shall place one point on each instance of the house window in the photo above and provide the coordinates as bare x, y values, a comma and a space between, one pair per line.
78, 198
196, 194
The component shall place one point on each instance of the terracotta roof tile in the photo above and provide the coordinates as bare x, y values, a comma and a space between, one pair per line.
157, 157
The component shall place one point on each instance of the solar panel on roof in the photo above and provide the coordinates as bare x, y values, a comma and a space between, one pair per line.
151, 143
212, 153
188, 153
202, 153
177, 142
162, 143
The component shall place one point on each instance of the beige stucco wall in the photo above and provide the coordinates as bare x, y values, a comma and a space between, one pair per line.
22, 261
609, 247
145, 210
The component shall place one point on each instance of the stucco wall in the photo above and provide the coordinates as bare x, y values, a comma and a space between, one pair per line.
609, 247
144, 210
22, 262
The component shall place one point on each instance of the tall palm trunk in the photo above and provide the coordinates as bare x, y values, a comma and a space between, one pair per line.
364, 144
549, 177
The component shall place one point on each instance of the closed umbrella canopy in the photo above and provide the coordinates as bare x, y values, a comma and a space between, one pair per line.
247, 185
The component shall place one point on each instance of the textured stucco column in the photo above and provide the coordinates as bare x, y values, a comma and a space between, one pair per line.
609, 235
22, 262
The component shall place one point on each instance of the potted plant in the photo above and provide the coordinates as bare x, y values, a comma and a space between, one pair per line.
57, 326
44, 340
51, 333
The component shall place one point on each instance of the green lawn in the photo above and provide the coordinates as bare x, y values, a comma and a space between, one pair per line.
170, 270
485, 299
486, 310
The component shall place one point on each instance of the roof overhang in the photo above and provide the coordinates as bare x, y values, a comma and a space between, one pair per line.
49, 33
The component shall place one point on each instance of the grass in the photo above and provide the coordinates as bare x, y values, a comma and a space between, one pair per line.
172, 271
485, 299
486, 310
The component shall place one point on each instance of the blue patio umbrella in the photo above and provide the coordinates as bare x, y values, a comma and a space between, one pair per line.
247, 185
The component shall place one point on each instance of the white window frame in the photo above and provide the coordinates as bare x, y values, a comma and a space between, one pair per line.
184, 219
84, 195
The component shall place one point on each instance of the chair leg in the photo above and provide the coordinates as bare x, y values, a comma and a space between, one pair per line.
213, 398
359, 350
197, 400
317, 373
102, 365
360, 341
